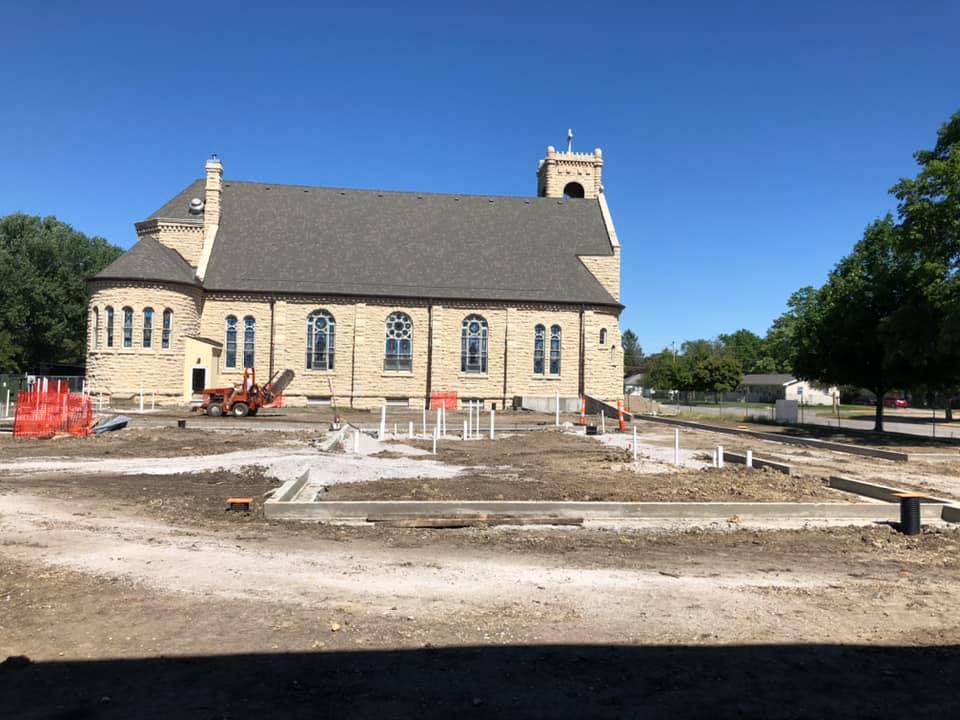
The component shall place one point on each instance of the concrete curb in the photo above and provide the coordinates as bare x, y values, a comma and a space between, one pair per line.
360, 510
741, 459
875, 491
787, 439
289, 490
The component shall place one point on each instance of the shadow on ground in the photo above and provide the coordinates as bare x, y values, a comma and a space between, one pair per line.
793, 681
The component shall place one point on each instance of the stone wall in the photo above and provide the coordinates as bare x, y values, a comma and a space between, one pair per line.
120, 371
358, 377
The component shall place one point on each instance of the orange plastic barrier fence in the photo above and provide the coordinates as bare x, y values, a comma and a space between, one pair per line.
44, 414
446, 400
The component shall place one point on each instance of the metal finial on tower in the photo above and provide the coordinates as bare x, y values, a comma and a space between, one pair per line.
569, 140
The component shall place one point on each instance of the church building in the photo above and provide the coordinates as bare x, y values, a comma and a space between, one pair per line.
369, 296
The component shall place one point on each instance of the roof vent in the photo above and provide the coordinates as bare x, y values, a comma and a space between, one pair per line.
196, 206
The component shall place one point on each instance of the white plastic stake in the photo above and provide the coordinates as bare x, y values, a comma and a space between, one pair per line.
410, 431
436, 433
603, 422
749, 458
493, 422
383, 421
423, 424
469, 422
676, 447
153, 400
6, 407
634, 445
720, 456
556, 408
466, 430
356, 441
436, 425
58, 389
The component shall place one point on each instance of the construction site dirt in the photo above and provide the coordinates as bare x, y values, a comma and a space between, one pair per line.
131, 592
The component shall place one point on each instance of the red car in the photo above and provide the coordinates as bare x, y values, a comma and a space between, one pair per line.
896, 403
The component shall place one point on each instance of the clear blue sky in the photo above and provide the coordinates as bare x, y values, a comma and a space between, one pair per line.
747, 144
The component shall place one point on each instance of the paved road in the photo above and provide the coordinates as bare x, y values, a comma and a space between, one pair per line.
911, 422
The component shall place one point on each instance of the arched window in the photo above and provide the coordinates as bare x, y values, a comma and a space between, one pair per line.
473, 345
167, 328
147, 335
603, 336
555, 350
249, 332
538, 335
230, 354
109, 313
96, 327
398, 346
128, 327
573, 190
321, 340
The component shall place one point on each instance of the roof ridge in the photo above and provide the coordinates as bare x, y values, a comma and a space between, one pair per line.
230, 181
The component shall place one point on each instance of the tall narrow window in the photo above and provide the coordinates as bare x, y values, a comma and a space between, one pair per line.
321, 340
473, 345
109, 313
398, 348
128, 327
249, 330
555, 350
538, 334
167, 329
230, 354
96, 327
603, 336
148, 327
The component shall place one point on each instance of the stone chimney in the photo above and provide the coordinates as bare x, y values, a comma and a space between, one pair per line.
211, 201
211, 211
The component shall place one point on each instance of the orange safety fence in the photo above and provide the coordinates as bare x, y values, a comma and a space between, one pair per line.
44, 414
446, 400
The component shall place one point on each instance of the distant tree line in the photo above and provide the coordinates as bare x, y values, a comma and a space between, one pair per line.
887, 318
44, 266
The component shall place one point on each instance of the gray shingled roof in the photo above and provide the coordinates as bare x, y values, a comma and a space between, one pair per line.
290, 238
178, 207
149, 260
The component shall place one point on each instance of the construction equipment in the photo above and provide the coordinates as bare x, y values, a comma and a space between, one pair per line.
246, 398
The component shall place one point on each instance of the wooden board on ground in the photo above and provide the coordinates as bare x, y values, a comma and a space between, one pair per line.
468, 520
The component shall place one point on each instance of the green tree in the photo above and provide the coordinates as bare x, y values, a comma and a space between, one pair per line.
632, 353
717, 373
928, 327
747, 347
44, 266
779, 345
842, 333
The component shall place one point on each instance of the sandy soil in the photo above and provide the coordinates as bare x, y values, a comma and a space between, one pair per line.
136, 595
92, 583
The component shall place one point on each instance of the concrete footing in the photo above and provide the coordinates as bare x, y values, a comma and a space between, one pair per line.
741, 459
305, 509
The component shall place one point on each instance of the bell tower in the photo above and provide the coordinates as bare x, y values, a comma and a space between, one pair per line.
570, 174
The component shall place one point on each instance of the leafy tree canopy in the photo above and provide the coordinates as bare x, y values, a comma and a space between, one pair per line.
44, 266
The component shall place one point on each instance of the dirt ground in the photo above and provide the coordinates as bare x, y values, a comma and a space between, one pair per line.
557, 466
168, 442
131, 595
